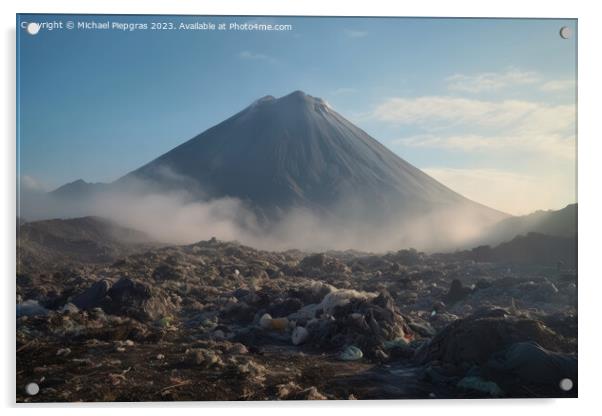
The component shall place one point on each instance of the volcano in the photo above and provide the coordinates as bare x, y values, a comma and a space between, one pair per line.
297, 153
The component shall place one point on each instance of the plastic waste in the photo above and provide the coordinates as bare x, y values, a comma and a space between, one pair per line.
265, 321
397, 342
31, 308
351, 353
300, 335
478, 384
69, 308
279, 324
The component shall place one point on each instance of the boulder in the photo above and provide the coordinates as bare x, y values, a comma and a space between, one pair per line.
473, 340
534, 364
137, 300
299, 335
457, 292
93, 296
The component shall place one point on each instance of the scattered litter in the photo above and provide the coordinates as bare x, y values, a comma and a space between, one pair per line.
351, 353
478, 384
300, 335
31, 308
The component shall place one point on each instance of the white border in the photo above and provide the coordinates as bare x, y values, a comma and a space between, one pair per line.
590, 159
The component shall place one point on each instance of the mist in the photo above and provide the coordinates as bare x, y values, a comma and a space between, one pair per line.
178, 217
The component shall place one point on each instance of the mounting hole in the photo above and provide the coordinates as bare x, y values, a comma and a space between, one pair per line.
32, 389
565, 32
566, 384
33, 28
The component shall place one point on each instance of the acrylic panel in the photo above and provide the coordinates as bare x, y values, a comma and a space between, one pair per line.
295, 208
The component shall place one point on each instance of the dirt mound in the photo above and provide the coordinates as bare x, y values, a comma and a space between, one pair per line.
365, 323
474, 339
127, 297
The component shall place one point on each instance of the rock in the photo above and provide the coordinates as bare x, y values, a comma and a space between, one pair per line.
317, 265
93, 296
299, 336
292, 391
205, 358
253, 370
98, 314
69, 308
311, 393
265, 321
381, 355
407, 257
351, 353
137, 300
279, 324
285, 307
422, 328
31, 308
532, 363
315, 261
239, 312
457, 292
395, 343
63, 352
283, 391
166, 272
238, 349
478, 384
474, 339
218, 335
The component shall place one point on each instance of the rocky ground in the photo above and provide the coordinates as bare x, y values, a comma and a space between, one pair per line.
221, 321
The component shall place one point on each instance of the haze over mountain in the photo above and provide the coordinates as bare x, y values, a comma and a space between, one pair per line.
285, 166
555, 223
87, 240
542, 238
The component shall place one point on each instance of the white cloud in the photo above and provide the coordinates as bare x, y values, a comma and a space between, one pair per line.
558, 85
355, 33
468, 111
32, 184
511, 192
537, 138
555, 146
491, 81
476, 125
256, 56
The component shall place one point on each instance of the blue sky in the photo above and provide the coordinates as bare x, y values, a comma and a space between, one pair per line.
485, 106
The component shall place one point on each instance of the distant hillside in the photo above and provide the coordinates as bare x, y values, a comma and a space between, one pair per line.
533, 248
78, 189
561, 223
78, 240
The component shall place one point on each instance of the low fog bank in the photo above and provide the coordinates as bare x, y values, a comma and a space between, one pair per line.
177, 217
